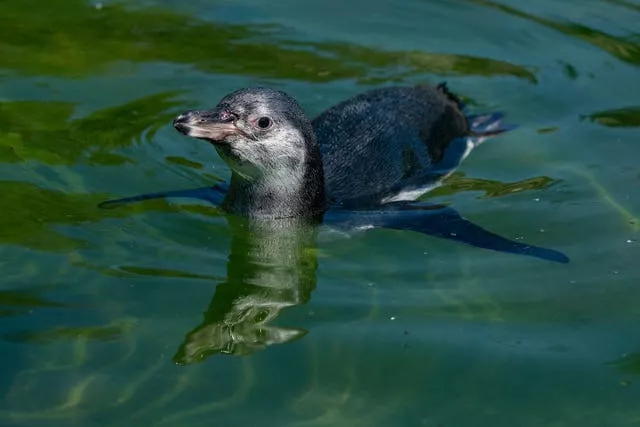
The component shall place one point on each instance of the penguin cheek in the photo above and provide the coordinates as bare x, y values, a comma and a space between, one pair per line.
242, 151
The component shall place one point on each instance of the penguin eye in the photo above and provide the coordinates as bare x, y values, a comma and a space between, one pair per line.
264, 122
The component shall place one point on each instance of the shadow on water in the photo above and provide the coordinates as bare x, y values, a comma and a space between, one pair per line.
271, 266
76, 39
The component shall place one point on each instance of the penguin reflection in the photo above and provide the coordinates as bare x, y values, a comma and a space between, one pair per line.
271, 266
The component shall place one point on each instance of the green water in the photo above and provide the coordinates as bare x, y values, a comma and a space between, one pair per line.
117, 317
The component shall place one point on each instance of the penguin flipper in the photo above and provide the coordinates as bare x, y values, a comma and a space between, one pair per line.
212, 194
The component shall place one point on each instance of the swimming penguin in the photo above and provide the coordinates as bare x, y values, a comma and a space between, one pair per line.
361, 164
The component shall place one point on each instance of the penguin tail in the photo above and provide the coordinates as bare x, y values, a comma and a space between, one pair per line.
481, 126
485, 126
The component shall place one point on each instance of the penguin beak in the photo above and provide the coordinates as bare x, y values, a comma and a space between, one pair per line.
205, 125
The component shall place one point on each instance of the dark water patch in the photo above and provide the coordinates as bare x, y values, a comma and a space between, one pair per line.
19, 302
131, 270
621, 117
570, 71
31, 214
45, 131
628, 364
458, 183
622, 48
624, 3
548, 130
76, 39
411, 63
99, 333
181, 161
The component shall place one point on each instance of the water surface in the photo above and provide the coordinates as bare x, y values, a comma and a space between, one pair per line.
165, 313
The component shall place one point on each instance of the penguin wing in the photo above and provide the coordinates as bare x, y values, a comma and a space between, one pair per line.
438, 221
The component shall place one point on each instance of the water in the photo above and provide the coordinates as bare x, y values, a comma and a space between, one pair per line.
117, 317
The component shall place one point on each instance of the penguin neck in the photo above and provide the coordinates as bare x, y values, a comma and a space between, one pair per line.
295, 191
